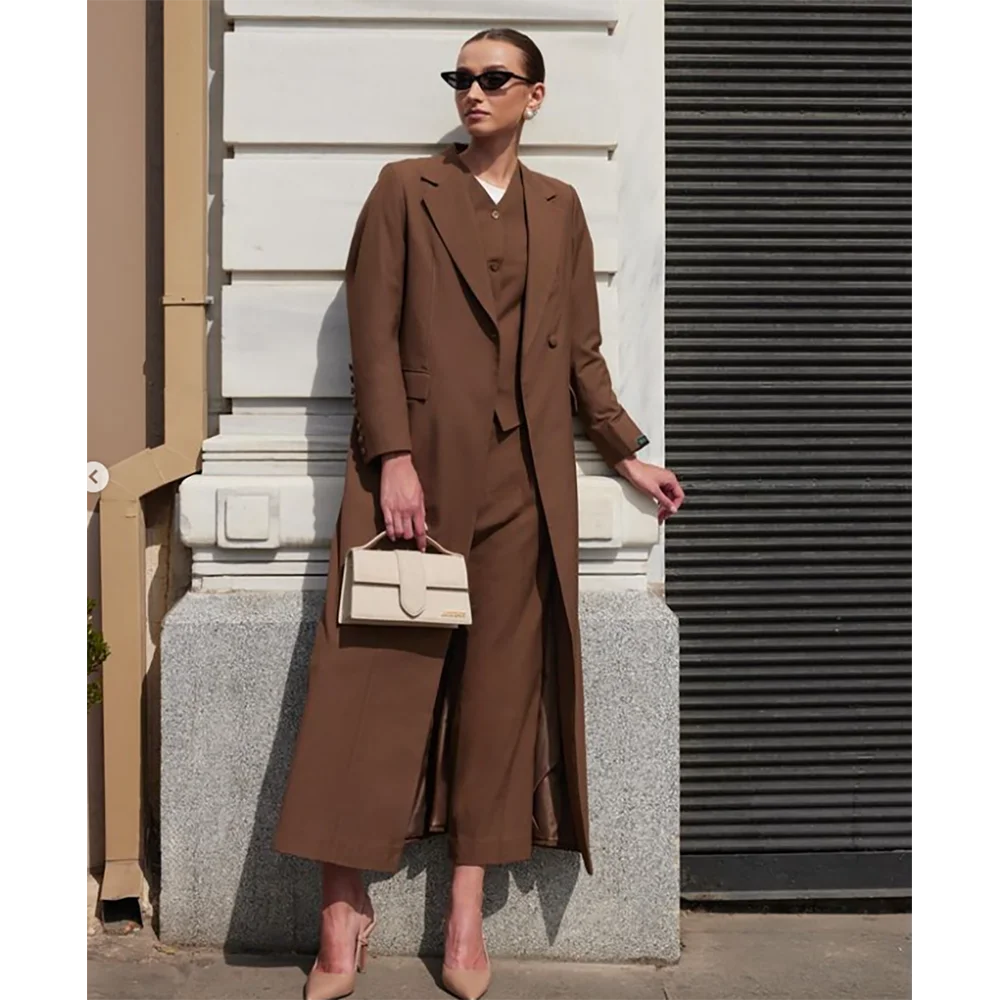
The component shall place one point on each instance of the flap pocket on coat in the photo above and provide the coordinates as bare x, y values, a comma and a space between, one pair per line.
417, 383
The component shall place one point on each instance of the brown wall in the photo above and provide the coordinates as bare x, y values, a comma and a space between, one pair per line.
124, 273
123, 227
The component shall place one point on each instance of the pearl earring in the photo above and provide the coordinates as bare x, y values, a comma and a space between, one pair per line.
530, 113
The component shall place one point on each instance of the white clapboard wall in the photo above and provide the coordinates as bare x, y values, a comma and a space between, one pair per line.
317, 96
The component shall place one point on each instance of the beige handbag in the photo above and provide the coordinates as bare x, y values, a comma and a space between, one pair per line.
404, 587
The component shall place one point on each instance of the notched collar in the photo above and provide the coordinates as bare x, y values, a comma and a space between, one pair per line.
448, 202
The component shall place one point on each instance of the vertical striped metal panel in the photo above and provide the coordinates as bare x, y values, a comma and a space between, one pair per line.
788, 421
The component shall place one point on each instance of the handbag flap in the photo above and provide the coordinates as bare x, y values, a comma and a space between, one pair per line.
412, 582
440, 572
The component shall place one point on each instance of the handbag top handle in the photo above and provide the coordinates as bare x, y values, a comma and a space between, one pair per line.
384, 534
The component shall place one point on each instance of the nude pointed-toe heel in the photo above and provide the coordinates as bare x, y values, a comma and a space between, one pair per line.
334, 985
467, 984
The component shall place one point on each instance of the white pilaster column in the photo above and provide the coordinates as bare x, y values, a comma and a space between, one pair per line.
261, 513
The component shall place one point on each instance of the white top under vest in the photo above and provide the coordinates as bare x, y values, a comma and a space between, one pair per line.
496, 193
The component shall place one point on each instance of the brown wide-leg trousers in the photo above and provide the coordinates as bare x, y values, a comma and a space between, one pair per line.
498, 664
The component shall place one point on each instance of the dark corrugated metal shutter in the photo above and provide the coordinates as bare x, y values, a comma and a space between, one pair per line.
788, 420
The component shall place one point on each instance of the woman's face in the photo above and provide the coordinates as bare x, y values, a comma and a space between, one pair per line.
487, 112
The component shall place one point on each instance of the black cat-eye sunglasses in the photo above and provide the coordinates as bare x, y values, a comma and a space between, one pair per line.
492, 79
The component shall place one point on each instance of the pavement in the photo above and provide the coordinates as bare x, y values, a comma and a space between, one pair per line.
725, 956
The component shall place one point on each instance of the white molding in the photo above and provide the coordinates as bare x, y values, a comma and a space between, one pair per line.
247, 519
299, 511
598, 12
293, 516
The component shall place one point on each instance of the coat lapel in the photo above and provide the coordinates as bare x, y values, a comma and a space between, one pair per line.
446, 197
545, 234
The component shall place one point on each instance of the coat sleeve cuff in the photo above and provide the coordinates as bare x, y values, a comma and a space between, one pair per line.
617, 438
374, 446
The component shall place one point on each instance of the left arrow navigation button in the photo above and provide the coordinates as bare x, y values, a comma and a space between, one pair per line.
97, 477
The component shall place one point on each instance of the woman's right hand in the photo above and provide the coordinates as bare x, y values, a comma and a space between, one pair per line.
402, 499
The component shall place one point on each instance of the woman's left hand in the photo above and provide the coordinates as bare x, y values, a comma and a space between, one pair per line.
656, 482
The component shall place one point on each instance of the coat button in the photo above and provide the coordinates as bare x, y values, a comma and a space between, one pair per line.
553, 340
494, 265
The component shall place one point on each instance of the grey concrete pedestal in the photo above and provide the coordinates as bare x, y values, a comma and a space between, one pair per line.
233, 684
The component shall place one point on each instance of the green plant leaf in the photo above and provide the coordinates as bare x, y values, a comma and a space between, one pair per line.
97, 652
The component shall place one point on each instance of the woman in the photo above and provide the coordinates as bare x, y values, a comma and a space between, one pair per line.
475, 338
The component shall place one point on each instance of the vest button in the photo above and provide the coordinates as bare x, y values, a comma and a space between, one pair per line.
494, 265
495, 214
553, 340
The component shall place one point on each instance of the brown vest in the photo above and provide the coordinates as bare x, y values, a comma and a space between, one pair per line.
503, 233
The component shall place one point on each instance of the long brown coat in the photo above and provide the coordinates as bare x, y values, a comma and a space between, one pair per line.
370, 763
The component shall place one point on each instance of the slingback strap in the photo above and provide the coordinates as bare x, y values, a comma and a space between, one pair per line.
382, 535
